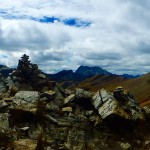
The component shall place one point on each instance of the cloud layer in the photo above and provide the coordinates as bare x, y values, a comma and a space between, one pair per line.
63, 34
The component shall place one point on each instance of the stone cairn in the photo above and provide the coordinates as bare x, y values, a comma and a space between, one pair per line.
28, 74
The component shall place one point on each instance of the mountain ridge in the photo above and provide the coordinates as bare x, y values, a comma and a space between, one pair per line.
4, 70
82, 73
139, 86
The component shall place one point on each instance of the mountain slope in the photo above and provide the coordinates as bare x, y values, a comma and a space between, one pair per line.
140, 87
102, 81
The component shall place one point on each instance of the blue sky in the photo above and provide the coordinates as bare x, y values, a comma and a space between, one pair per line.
64, 34
76, 22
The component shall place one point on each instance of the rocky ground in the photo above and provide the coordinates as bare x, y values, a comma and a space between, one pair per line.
37, 114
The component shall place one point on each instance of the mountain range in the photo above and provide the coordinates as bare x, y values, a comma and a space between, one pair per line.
4, 70
94, 78
82, 73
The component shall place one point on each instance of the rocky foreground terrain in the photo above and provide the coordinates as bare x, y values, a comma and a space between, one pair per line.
38, 114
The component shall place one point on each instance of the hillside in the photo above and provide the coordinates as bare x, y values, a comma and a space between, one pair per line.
102, 81
139, 86
70, 78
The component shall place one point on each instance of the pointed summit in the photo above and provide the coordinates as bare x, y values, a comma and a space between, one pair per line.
91, 71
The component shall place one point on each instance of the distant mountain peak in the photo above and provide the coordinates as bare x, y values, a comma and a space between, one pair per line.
88, 71
130, 76
5, 70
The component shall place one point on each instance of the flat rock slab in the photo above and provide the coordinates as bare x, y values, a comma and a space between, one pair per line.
97, 100
24, 144
105, 95
29, 96
69, 99
67, 109
100, 97
112, 107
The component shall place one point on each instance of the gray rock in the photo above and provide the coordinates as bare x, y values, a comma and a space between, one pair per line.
3, 104
146, 109
105, 95
24, 128
97, 100
50, 118
9, 82
125, 145
4, 123
80, 93
29, 96
107, 105
137, 115
101, 97
147, 142
24, 144
42, 76
67, 109
112, 107
2, 88
28, 107
48, 94
89, 113
69, 99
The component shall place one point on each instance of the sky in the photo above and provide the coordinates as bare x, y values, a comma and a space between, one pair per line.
64, 34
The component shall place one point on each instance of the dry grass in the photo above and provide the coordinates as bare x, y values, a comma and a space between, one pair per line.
140, 87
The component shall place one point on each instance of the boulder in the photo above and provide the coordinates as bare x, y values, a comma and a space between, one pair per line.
112, 107
125, 145
3, 105
8, 100
69, 99
84, 99
146, 110
50, 95
29, 96
29, 107
23, 109
80, 94
4, 123
107, 105
105, 95
43, 76
97, 100
23, 144
100, 97
67, 109
2, 88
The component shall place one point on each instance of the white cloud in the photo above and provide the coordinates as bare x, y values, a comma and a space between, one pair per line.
118, 38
